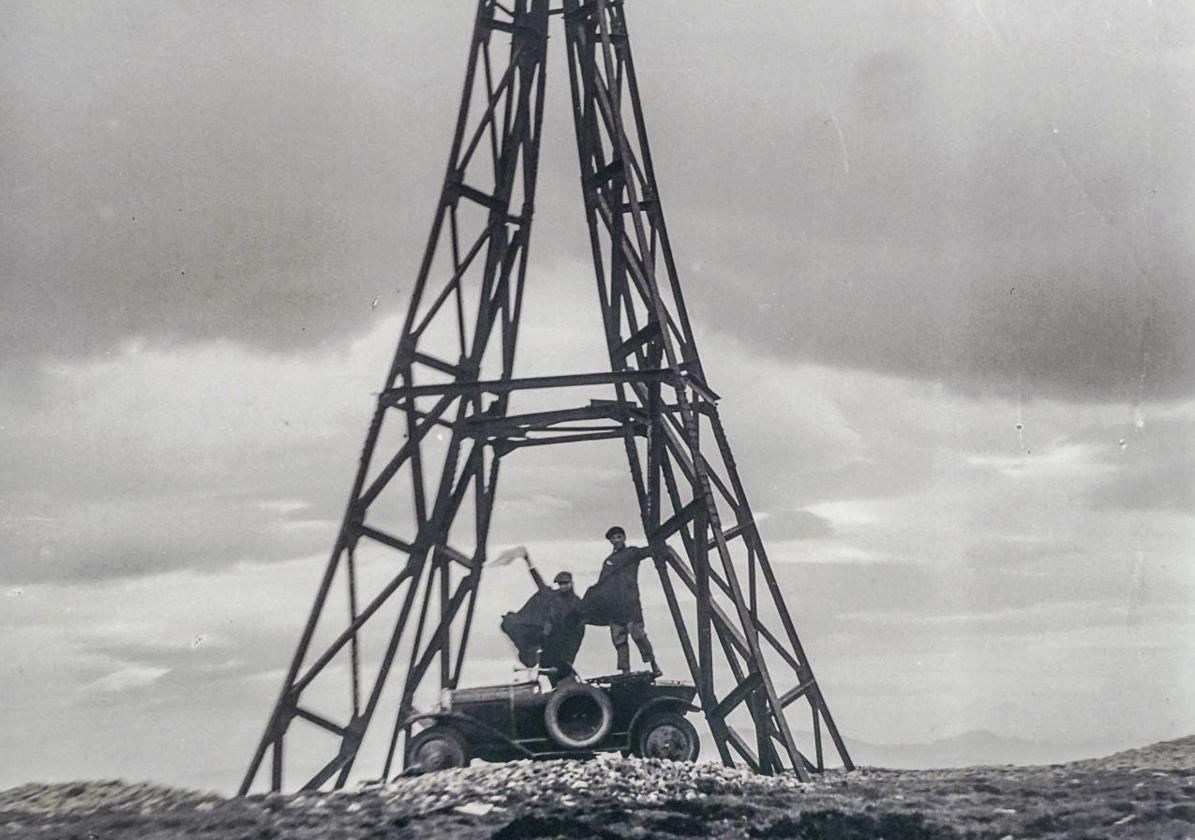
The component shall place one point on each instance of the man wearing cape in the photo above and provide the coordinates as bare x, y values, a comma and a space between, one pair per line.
547, 630
614, 601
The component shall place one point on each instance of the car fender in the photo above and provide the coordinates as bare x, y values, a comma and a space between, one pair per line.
429, 716
468, 724
657, 704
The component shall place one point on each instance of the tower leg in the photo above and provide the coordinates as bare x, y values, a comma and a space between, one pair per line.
647, 326
475, 260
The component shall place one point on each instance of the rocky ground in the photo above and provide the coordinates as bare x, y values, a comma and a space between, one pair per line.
1146, 793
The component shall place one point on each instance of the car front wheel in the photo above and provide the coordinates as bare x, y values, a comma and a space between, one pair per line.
668, 735
438, 747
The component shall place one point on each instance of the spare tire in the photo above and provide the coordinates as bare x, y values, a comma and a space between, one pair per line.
578, 716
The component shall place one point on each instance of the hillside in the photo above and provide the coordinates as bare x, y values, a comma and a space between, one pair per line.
1144, 793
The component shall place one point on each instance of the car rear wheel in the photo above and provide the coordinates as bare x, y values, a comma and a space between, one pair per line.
438, 747
578, 716
668, 735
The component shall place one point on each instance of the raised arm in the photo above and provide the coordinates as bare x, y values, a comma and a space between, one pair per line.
540, 584
512, 554
629, 556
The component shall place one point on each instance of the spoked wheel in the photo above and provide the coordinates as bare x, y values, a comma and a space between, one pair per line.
668, 735
438, 747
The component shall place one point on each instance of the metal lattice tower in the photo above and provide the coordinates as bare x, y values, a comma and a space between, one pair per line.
425, 488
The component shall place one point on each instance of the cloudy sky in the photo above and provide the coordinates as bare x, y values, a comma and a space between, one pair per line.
939, 257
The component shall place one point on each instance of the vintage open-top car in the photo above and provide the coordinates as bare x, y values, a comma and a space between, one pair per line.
631, 713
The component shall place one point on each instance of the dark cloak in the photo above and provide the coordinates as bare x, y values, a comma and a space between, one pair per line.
614, 599
550, 623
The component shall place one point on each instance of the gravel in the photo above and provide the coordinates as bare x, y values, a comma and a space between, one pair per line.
88, 797
1140, 794
642, 781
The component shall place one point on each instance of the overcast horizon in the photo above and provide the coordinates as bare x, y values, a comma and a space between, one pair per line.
939, 263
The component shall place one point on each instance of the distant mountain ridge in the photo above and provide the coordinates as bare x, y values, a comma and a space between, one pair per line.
968, 749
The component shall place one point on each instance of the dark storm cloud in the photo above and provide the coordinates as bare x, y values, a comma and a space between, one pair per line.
156, 461
130, 512
207, 171
127, 536
997, 198
992, 208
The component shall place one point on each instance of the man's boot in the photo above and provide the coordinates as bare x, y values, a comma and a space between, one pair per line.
656, 673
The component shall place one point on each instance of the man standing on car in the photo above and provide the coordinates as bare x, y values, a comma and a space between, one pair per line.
614, 600
547, 630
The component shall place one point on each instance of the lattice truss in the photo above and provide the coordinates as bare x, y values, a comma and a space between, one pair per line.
408, 559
